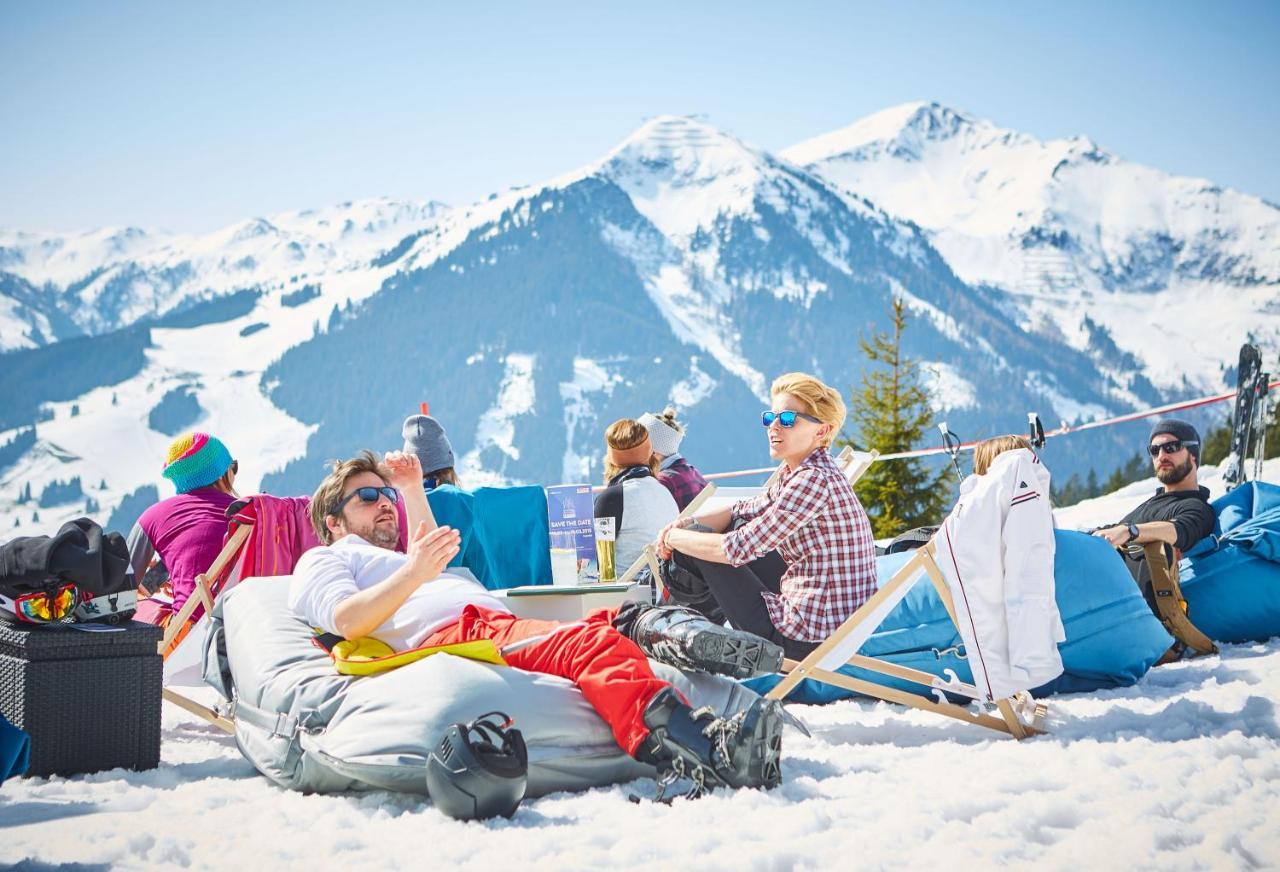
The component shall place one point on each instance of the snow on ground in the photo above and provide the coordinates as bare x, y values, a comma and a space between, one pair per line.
1180, 771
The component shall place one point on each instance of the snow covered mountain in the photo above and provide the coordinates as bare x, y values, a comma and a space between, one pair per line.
683, 266
1175, 270
56, 286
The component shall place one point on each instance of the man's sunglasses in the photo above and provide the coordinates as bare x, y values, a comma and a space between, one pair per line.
786, 419
43, 607
367, 495
1170, 447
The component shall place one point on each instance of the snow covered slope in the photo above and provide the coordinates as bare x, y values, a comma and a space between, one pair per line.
1178, 271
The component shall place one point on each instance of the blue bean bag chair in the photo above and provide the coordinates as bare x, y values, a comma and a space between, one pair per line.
1112, 636
1231, 580
15, 750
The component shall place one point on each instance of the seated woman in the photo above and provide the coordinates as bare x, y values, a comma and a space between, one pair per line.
675, 473
804, 559
639, 505
185, 530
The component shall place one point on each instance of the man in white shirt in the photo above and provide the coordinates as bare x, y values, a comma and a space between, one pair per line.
357, 585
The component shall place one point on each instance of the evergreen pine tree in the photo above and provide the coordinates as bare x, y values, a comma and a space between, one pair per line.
1091, 486
891, 413
35, 517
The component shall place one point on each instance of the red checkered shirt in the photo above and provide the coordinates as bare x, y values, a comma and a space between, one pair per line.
811, 517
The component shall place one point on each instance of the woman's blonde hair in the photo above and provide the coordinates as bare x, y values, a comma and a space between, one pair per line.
986, 451
624, 435
819, 400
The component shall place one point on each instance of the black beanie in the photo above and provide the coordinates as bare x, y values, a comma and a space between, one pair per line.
1183, 431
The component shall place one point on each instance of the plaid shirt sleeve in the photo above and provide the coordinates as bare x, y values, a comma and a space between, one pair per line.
797, 502
752, 507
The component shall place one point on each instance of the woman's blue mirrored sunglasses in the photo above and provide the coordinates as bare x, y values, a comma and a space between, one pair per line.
367, 495
786, 419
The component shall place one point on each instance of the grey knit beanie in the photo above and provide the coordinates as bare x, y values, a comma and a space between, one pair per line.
424, 437
1182, 431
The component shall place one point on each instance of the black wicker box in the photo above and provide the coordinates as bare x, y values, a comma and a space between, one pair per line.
89, 701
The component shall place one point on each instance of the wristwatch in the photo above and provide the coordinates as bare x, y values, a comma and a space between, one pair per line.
1133, 533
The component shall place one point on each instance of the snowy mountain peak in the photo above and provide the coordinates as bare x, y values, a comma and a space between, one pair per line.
901, 129
681, 149
1077, 234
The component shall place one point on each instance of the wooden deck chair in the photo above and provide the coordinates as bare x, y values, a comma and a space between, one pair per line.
649, 557
1019, 716
182, 638
1171, 606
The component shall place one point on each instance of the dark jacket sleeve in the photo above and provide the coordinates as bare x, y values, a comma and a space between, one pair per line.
1193, 519
608, 504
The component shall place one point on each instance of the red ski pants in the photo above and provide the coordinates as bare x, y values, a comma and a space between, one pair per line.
609, 669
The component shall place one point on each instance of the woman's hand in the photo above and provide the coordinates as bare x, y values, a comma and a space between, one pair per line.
405, 469
660, 545
431, 550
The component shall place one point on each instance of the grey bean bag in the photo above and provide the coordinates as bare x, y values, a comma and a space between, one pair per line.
308, 728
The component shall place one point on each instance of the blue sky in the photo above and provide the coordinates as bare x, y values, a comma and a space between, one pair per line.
189, 117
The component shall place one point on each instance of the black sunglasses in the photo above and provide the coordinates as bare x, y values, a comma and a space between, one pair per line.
1170, 447
367, 495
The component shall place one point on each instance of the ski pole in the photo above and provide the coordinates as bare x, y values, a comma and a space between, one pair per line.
951, 444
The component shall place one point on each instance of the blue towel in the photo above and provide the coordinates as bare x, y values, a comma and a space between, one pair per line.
15, 750
503, 529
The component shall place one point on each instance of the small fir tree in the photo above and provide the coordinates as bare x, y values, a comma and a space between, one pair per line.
891, 413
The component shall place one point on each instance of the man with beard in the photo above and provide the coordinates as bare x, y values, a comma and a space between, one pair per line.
357, 585
1179, 514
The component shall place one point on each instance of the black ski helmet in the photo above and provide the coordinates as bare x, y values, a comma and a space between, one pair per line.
479, 770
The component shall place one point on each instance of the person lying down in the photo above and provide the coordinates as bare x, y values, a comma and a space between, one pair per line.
357, 585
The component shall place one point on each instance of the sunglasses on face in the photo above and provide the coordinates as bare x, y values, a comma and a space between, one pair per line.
786, 419
367, 495
1170, 447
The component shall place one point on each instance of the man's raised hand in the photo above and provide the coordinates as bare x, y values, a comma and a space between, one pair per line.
430, 551
405, 470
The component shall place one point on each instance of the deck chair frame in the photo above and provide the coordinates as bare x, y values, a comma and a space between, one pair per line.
203, 594
1019, 716
1171, 606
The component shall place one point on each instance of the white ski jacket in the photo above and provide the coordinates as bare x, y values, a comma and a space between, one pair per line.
996, 552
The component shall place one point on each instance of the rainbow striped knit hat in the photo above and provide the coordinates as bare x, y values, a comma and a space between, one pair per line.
196, 460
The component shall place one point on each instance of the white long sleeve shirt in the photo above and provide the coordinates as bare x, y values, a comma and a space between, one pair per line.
996, 552
325, 577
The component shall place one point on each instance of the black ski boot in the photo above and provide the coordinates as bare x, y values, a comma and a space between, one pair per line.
685, 639
743, 750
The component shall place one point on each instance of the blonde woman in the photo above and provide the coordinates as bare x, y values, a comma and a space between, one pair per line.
802, 559
638, 503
